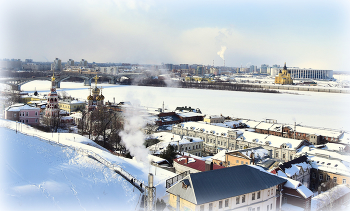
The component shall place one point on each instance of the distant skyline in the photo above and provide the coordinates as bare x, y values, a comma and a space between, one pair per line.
305, 34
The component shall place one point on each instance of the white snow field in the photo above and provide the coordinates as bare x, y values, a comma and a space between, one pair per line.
39, 174
329, 110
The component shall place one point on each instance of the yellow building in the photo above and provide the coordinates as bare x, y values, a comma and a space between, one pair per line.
71, 106
284, 76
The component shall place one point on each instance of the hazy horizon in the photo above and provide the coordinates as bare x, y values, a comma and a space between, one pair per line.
311, 34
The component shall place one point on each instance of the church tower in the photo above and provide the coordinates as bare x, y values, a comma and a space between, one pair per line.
52, 108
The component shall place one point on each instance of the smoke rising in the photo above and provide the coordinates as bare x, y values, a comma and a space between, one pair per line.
132, 136
222, 52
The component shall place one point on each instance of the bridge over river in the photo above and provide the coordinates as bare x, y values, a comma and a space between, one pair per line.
17, 82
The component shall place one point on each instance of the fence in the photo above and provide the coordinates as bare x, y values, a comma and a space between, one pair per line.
171, 181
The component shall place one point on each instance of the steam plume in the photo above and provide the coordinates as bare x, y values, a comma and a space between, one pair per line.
222, 52
132, 136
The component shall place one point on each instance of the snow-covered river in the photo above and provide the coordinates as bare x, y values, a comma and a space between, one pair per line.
330, 110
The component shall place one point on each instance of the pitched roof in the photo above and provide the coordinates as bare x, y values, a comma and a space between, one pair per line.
224, 183
194, 163
288, 164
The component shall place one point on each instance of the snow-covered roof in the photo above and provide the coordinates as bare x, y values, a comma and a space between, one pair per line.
295, 169
264, 126
345, 138
250, 123
221, 155
271, 140
296, 185
172, 139
335, 146
207, 128
77, 115
23, 107
317, 131
335, 166
329, 196
189, 114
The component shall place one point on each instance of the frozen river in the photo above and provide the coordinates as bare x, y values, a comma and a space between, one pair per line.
330, 110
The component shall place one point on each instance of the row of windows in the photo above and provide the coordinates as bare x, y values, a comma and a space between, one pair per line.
26, 113
26, 121
328, 178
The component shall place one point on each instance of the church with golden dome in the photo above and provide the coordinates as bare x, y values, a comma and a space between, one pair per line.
95, 99
284, 77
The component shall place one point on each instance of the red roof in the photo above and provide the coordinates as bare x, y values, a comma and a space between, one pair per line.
198, 164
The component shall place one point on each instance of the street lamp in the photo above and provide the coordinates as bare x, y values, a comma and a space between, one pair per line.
16, 126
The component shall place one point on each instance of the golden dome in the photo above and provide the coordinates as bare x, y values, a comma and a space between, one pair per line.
95, 91
98, 98
102, 97
90, 97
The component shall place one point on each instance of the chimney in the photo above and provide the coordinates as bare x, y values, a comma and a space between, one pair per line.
186, 160
270, 153
208, 165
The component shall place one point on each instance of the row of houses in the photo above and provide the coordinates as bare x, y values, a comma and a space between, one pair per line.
315, 136
218, 138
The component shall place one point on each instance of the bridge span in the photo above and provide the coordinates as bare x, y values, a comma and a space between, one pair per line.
16, 83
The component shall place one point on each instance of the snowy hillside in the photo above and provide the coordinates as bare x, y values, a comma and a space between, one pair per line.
40, 175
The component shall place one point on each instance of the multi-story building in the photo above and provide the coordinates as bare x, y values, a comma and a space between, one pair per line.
83, 63
235, 188
56, 65
263, 68
70, 63
23, 113
214, 119
218, 138
72, 105
297, 169
181, 144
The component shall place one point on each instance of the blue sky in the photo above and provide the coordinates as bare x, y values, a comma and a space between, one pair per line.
309, 34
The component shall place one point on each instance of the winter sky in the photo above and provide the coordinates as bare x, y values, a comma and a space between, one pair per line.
306, 34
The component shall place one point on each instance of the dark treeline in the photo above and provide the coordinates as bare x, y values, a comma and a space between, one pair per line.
204, 85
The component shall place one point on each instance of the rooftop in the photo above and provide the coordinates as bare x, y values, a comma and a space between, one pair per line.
205, 187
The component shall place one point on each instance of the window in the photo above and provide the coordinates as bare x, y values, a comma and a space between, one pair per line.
328, 177
220, 204
258, 195
202, 208
36, 120
242, 162
253, 196
237, 200
226, 202
313, 175
276, 154
229, 163
291, 157
36, 113
321, 176
246, 163
271, 191
271, 206
258, 209
243, 198
237, 161
284, 156
20, 114
27, 114
335, 179
344, 181
211, 207
268, 192
267, 207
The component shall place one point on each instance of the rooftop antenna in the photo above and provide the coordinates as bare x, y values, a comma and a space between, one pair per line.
163, 107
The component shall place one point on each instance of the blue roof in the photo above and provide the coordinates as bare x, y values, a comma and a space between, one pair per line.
224, 183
